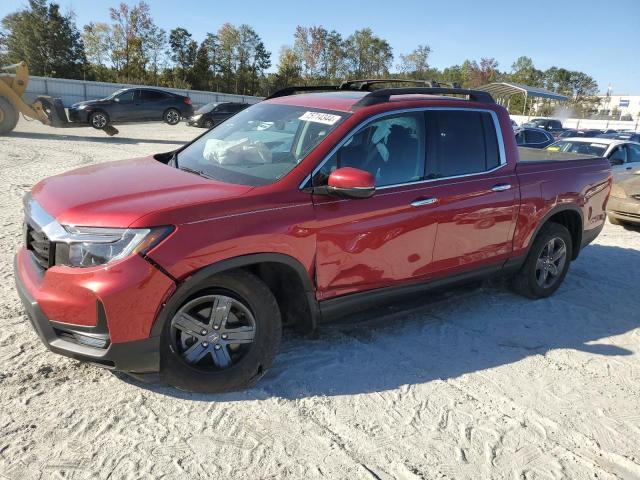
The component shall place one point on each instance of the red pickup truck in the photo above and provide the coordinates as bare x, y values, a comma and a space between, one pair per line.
297, 209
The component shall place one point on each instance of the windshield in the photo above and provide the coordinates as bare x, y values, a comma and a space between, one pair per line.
207, 108
259, 145
585, 148
114, 94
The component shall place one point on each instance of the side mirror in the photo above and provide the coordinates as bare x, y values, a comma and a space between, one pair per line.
616, 161
350, 182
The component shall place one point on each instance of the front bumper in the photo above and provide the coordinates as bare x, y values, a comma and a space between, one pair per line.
140, 356
624, 209
78, 116
194, 122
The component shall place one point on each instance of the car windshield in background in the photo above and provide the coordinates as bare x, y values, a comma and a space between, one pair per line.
207, 108
584, 148
259, 145
115, 94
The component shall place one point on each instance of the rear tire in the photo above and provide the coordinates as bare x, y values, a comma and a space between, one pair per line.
8, 116
99, 119
547, 263
188, 360
172, 116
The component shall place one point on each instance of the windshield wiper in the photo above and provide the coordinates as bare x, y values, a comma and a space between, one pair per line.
197, 172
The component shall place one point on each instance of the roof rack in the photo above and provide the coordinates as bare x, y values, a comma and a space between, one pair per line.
426, 87
284, 92
365, 84
383, 95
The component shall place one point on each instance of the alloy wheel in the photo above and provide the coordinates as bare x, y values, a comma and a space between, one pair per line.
213, 332
551, 262
99, 120
172, 117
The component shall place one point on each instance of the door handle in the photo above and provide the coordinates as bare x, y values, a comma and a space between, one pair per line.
501, 187
424, 201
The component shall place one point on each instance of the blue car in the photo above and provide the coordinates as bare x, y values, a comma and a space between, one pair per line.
132, 105
533, 137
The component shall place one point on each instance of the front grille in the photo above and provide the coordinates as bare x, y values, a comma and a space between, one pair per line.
39, 244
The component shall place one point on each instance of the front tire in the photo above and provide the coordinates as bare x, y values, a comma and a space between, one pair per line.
172, 116
8, 116
99, 119
547, 262
222, 338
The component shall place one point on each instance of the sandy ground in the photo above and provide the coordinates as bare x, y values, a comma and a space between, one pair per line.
475, 384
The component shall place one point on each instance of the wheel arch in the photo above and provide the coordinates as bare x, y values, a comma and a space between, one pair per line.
569, 216
99, 110
285, 276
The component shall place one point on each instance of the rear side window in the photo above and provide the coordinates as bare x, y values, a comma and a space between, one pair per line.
535, 137
153, 96
460, 142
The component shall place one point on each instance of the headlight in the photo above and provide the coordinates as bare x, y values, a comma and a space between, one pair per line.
88, 246
197, 117
82, 107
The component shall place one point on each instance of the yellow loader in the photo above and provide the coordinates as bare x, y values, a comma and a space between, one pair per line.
47, 110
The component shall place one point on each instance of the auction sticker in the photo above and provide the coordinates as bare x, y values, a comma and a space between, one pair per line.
319, 117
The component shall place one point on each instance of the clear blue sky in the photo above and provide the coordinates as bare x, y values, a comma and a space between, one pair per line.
601, 38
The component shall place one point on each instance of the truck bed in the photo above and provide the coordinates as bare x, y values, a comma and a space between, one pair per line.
537, 155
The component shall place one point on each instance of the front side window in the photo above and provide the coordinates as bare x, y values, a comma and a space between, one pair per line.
618, 156
633, 153
461, 142
392, 149
126, 97
260, 144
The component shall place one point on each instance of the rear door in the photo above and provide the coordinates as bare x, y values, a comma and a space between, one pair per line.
474, 188
154, 103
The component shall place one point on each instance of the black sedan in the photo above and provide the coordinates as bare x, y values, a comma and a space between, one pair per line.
533, 137
132, 105
212, 114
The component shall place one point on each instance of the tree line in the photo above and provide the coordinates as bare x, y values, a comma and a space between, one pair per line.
131, 48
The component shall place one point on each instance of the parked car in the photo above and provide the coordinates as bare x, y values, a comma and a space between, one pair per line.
549, 124
623, 156
214, 113
624, 203
533, 138
630, 136
132, 105
295, 210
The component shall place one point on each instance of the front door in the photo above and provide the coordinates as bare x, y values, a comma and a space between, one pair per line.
368, 243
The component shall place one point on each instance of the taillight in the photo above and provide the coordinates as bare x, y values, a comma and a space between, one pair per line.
187, 100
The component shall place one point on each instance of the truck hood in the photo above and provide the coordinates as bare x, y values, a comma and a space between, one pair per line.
116, 194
